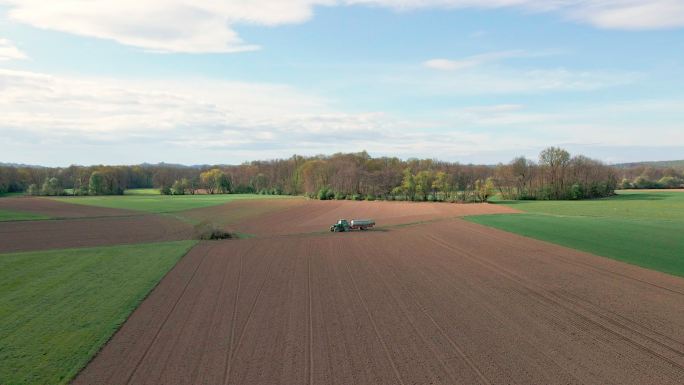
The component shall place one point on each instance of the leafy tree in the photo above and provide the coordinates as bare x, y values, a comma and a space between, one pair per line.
180, 187
408, 184
215, 181
96, 184
52, 187
484, 189
555, 160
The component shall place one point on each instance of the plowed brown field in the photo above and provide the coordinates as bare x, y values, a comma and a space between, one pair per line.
67, 233
56, 209
317, 216
447, 302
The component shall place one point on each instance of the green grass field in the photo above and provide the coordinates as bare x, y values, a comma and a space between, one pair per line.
11, 215
161, 203
58, 307
640, 228
142, 191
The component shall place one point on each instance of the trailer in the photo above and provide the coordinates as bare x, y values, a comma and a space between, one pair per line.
343, 225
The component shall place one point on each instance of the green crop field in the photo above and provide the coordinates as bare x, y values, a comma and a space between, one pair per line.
640, 228
142, 191
11, 215
161, 203
58, 307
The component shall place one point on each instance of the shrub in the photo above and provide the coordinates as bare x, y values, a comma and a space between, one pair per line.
325, 194
357, 197
370, 197
339, 196
209, 231
576, 191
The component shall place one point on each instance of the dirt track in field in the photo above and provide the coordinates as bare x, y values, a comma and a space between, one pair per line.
56, 209
84, 232
317, 216
449, 302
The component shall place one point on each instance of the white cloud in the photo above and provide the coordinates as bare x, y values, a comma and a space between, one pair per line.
9, 51
501, 81
194, 26
476, 60
57, 120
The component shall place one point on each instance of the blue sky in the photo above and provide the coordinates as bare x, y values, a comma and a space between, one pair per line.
193, 82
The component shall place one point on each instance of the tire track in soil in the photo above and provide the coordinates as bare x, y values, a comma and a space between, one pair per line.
549, 298
214, 330
643, 332
655, 336
391, 256
494, 233
481, 377
495, 312
310, 333
375, 326
170, 313
233, 350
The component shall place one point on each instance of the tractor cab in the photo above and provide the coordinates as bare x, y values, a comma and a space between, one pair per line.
341, 225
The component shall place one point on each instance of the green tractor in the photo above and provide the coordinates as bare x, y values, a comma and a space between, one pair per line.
355, 224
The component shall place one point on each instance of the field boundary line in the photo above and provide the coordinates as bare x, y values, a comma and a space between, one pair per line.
575, 263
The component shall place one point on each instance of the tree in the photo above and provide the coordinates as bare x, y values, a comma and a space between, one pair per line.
441, 184
96, 184
52, 187
180, 187
423, 181
408, 185
484, 189
555, 160
215, 181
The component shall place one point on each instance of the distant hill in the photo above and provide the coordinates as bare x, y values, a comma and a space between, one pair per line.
658, 164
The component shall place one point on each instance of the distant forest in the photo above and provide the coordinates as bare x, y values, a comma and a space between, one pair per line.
554, 175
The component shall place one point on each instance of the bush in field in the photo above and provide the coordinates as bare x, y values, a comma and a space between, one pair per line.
370, 197
340, 196
209, 231
325, 194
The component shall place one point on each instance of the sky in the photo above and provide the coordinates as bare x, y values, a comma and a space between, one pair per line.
228, 81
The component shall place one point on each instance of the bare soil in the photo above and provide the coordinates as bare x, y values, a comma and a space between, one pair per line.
82, 232
317, 216
56, 209
446, 302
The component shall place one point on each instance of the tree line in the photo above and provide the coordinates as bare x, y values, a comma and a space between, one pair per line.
649, 177
555, 175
